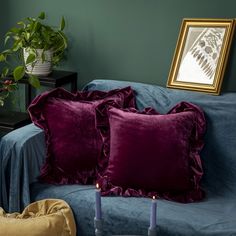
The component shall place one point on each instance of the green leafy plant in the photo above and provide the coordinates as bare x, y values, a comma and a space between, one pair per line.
31, 34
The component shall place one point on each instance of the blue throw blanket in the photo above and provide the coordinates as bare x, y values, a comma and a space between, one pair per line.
22, 153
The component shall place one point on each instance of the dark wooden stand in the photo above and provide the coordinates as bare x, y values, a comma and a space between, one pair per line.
10, 120
56, 79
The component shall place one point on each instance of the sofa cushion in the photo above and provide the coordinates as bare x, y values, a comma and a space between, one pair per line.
73, 143
44, 217
152, 154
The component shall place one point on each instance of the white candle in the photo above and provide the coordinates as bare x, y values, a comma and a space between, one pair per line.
153, 213
98, 212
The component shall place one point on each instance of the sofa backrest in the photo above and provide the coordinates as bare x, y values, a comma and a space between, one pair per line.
218, 155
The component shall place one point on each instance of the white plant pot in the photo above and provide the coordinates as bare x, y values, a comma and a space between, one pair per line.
39, 68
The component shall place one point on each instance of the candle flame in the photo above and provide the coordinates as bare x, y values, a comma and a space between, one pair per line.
153, 197
97, 186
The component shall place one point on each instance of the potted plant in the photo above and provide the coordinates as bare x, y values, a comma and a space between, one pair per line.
34, 48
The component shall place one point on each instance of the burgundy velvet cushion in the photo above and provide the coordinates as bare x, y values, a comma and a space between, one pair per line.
152, 154
73, 142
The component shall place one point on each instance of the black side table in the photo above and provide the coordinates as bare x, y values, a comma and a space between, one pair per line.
10, 120
56, 79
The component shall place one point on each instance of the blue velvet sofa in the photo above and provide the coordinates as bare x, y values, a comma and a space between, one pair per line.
22, 153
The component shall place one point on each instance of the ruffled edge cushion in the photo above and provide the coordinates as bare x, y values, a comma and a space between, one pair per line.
37, 116
196, 193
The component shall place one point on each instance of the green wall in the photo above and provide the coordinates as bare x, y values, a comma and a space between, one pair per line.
123, 39
2, 26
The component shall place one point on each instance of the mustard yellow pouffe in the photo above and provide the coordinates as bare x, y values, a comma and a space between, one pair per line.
42, 218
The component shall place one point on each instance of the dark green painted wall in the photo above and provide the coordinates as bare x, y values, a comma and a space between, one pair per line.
3, 25
123, 39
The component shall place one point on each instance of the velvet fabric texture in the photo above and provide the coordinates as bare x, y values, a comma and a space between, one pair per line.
45, 217
152, 154
73, 142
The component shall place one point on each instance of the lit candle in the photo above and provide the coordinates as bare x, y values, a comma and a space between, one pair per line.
153, 213
98, 212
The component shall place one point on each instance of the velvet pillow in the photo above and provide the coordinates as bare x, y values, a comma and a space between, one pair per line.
152, 154
73, 143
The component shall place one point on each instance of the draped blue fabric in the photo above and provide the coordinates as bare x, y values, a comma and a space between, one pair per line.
22, 152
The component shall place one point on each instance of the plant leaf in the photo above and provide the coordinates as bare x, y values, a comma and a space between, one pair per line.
2, 57
62, 26
13, 86
19, 72
7, 51
34, 81
14, 30
30, 19
6, 39
42, 15
5, 72
43, 56
27, 35
36, 26
21, 23
30, 58
17, 45
1, 102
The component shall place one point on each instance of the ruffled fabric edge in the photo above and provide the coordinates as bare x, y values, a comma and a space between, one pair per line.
196, 193
50, 172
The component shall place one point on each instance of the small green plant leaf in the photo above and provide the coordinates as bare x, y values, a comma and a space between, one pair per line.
62, 26
30, 19
5, 72
34, 81
30, 58
7, 51
43, 56
17, 45
13, 86
6, 39
14, 30
19, 72
42, 16
1, 102
36, 27
2, 57
27, 36
21, 23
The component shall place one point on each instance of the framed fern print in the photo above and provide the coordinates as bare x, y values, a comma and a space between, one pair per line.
201, 55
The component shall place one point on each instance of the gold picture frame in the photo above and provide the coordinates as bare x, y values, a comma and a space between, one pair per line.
201, 55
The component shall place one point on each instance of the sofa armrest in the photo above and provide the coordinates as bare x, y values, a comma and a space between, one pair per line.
22, 153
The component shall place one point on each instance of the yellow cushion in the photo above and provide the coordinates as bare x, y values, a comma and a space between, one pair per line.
46, 217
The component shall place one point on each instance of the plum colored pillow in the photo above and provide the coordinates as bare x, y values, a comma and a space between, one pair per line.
152, 154
74, 145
